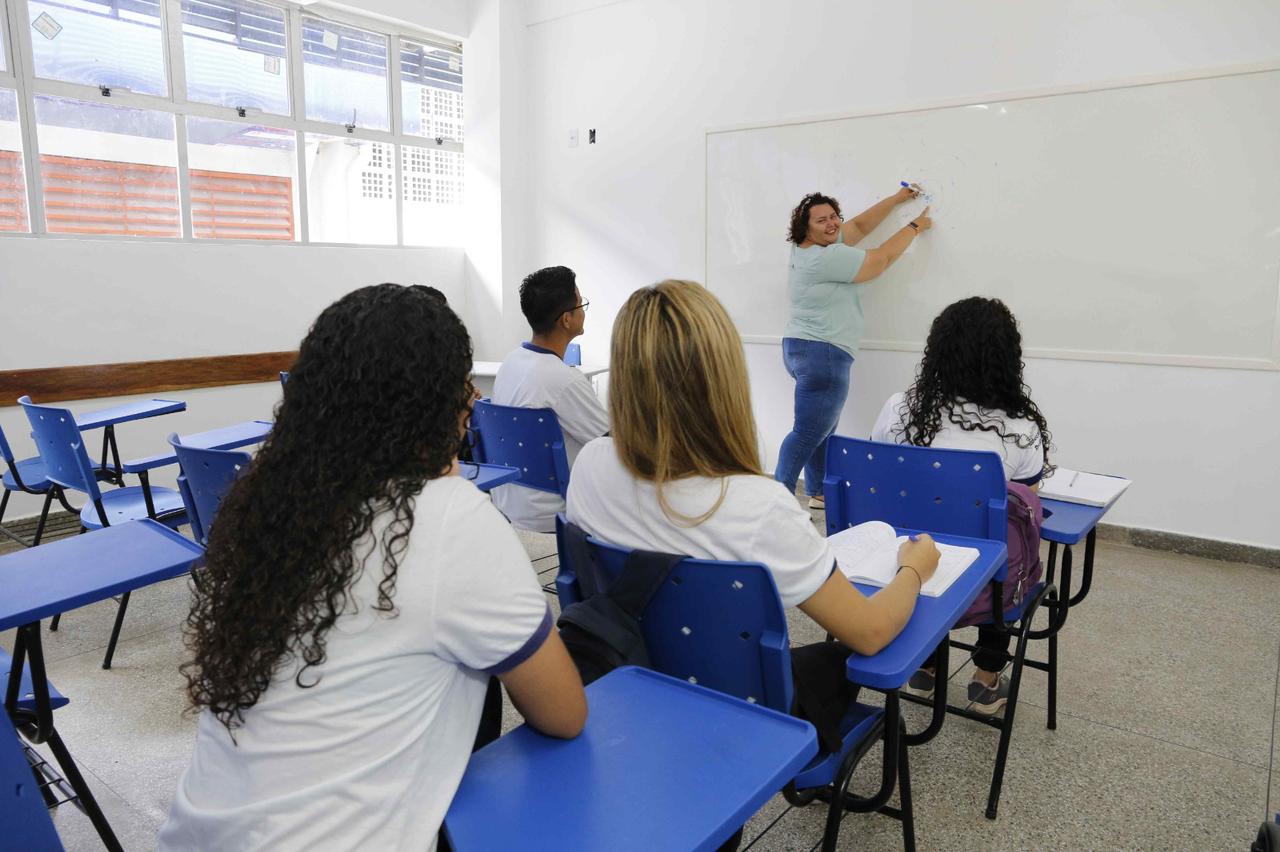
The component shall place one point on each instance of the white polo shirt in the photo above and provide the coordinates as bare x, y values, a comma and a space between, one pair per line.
372, 754
1023, 456
533, 377
757, 522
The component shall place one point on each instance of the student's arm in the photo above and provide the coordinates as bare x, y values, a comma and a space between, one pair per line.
547, 690
880, 259
868, 624
581, 414
868, 220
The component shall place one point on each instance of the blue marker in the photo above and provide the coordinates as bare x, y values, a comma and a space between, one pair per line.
920, 193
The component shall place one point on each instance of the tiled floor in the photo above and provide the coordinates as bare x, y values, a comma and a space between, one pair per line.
1166, 735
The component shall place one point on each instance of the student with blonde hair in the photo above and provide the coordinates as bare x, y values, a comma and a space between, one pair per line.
680, 472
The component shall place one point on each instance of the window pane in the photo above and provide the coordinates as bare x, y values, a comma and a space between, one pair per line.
432, 196
235, 54
107, 170
350, 190
345, 75
100, 42
242, 180
431, 91
13, 181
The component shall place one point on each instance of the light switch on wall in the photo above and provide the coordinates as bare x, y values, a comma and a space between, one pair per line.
573, 138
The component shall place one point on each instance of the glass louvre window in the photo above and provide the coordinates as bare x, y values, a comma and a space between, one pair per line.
350, 190
345, 75
107, 170
432, 185
242, 180
235, 54
431, 91
114, 43
13, 180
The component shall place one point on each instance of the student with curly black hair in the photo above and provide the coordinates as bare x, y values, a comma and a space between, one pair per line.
969, 395
355, 599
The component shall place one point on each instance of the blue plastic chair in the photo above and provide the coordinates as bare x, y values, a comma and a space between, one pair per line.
23, 804
956, 492
722, 625
67, 465
573, 355
206, 476
526, 438
28, 476
284, 378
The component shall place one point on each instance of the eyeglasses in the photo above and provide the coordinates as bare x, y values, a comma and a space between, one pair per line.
582, 305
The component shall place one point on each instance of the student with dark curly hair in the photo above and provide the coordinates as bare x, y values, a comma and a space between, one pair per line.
825, 328
355, 599
969, 395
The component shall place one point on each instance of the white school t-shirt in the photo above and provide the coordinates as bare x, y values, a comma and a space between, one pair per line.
757, 522
533, 377
1023, 461
371, 756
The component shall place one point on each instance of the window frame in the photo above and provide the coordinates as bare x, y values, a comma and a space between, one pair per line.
15, 36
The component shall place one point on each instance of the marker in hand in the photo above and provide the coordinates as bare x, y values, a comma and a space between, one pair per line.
915, 188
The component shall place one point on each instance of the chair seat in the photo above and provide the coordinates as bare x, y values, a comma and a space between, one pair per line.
33, 476
26, 694
858, 724
128, 504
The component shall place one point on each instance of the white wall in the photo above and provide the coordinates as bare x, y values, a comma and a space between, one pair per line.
653, 75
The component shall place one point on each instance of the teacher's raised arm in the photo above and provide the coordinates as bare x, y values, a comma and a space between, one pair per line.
825, 325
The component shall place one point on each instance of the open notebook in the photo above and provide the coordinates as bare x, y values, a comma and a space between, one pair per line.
1088, 489
868, 553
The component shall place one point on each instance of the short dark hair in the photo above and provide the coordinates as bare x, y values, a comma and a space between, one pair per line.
800, 215
546, 294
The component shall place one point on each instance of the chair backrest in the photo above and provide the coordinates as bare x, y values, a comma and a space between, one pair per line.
717, 624
207, 474
573, 355
61, 447
5, 451
23, 814
957, 492
527, 438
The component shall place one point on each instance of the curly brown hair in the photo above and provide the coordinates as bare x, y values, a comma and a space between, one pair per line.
799, 227
370, 414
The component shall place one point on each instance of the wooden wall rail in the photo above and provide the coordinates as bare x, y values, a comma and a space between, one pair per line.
95, 381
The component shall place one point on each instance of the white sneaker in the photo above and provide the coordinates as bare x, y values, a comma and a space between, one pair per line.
818, 503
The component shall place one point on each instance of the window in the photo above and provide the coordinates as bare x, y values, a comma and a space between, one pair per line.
242, 180
13, 181
113, 43
431, 91
432, 180
350, 190
235, 54
107, 170
345, 75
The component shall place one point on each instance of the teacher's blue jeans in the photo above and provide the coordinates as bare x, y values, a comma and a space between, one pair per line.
821, 372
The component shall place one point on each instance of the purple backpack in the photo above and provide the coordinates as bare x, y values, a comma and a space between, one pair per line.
1025, 568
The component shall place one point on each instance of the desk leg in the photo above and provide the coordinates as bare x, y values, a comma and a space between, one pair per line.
842, 800
85, 798
941, 666
1086, 580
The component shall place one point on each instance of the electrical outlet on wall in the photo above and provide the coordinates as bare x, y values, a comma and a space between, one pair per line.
573, 138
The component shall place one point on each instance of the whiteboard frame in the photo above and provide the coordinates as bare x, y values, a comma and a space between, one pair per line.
1108, 356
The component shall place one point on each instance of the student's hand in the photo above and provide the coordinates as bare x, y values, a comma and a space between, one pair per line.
906, 193
921, 554
923, 222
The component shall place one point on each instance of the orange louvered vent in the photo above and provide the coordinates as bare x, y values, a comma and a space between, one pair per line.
231, 205
13, 193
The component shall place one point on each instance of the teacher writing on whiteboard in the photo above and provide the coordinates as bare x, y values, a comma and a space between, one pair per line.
825, 326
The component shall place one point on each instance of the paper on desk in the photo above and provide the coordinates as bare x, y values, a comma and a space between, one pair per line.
868, 553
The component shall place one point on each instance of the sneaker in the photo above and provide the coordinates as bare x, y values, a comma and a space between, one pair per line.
988, 700
817, 502
921, 683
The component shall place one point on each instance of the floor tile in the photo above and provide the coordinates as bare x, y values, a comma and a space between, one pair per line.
134, 830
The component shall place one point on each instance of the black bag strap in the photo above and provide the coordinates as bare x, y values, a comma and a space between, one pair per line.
642, 575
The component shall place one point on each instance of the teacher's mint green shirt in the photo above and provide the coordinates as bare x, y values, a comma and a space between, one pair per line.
824, 300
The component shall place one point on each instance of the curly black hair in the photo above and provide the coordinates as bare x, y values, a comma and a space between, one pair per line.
799, 227
973, 355
373, 410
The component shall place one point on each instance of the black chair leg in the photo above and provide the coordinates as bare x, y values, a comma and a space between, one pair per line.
1010, 708
115, 631
1052, 712
904, 795
44, 516
84, 796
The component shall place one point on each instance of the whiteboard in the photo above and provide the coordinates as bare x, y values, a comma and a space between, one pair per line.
1139, 223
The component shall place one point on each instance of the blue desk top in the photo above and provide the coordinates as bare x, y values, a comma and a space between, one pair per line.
488, 476
1069, 523
662, 764
130, 411
223, 438
931, 620
42, 581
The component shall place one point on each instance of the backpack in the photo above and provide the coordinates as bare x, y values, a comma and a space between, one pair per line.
1025, 569
602, 631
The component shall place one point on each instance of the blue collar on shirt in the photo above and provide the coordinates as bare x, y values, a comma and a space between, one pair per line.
539, 349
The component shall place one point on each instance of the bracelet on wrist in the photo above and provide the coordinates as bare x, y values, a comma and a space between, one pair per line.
913, 226
919, 580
